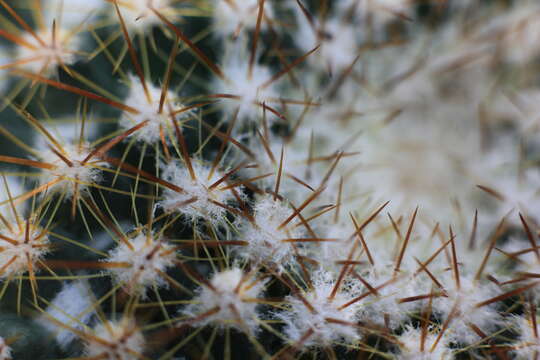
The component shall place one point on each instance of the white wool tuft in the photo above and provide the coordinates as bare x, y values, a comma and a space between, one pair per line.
158, 122
338, 44
233, 16
467, 297
529, 343
72, 306
387, 304
83, 174
119, 340
233, 305
147, 258
45, 58
251, 92
20, 251
412, 347
265, 238
331, 252
299, 319
197, 200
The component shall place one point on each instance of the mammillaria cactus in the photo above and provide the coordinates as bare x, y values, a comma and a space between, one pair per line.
273, 179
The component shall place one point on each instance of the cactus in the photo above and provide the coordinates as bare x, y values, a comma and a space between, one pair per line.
245, 179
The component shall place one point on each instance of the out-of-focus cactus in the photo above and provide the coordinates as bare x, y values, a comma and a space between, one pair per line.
245, 179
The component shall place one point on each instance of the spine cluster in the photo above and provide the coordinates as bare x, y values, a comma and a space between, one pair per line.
244, 179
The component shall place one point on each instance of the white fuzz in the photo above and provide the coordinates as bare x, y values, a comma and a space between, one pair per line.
45, 58
138, 14
411, 348
74, 301
115, 340
529, 343
73, 171
339, 43
197, 200
424, 167
299, 319
529, 264
249, 92
233, 16
22, 249
465, 300
440, 114
233, 297
149, 110
147, 258
5, 350
266, 239
386, 309
329, 253
521, 194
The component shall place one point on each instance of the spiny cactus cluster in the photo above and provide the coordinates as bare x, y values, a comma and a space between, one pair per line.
269, 179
